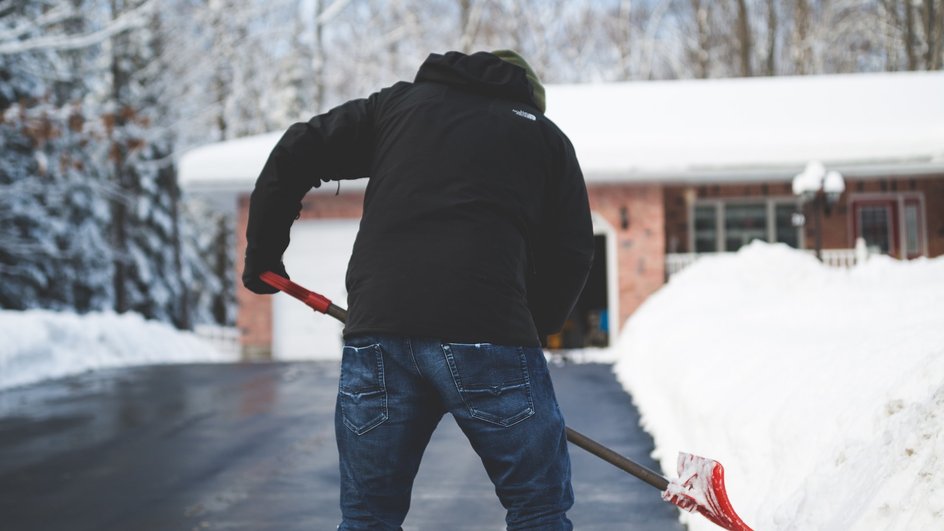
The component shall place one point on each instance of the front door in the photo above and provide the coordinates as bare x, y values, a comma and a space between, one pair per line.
893, 225
912, 218
875, 223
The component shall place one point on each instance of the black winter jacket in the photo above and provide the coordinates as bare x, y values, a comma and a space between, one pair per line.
476, 225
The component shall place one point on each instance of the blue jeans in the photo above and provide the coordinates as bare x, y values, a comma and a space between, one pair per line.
394, 390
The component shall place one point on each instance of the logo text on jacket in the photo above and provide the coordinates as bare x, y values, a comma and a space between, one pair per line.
524, 114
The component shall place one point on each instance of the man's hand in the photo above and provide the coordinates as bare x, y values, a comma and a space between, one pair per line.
254, 268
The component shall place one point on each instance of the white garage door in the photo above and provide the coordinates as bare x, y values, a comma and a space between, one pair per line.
317, 259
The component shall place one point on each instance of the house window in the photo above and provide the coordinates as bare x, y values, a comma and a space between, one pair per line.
875, 226
706, 228
785, 231
912, 229
719, 226
744, 223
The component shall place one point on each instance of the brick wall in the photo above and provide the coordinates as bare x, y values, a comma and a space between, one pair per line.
641, 245
933, 190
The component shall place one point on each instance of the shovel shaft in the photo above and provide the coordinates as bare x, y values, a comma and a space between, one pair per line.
337, 312
649, 476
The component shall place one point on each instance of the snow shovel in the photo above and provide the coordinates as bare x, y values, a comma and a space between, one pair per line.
699, 487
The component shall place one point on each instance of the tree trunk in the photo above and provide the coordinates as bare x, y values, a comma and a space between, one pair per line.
701, 53
468, 24
801, 37
745, 45
910, 40
624, 20
223, 271
891, 45
771, 63
119, 221
183, 318
933, 18
318, 59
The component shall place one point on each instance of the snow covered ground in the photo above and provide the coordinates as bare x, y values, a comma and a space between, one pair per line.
39, 344
820, 390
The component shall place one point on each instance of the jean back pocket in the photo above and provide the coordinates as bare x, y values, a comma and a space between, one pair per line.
492, 380
362, 393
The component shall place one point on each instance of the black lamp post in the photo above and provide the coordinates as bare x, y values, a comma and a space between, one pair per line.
821, 190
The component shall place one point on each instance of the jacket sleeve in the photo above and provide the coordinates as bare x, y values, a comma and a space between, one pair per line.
332, 146
564, 246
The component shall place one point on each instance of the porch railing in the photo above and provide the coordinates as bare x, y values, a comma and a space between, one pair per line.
675, 262
224, 338
838, 257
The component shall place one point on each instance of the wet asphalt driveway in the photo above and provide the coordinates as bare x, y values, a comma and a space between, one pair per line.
251, 447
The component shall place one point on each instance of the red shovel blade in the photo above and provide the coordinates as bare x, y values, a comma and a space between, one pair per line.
312, 299
700, 487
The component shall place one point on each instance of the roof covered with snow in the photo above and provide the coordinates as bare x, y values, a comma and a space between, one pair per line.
716, 130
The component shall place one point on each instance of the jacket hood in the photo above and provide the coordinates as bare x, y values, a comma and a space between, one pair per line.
481, 72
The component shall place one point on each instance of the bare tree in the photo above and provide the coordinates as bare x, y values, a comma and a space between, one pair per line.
914, 31
470, 16
770, 62
622, 36
744, 38
910, 35
801, 47
932, 18
698, 33
318, 56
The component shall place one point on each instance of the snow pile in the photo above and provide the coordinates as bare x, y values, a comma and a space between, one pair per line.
40, 344
821, 390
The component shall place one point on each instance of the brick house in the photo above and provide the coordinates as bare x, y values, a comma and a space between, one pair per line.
675, 169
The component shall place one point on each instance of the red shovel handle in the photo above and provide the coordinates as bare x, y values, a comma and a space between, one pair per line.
314, 300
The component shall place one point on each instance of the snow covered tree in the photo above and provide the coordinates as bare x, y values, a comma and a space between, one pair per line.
208, 247
146, 232
90, 213
52, 211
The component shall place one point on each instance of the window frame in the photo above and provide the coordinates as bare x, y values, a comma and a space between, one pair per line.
770, 203
898, 200
888, 207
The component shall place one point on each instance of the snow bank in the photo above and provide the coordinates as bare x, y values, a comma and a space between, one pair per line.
820, 390
39, 344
